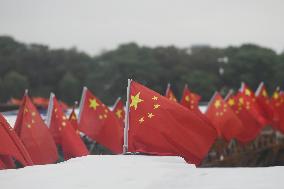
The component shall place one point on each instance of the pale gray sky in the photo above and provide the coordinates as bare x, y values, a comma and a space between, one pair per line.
93, 25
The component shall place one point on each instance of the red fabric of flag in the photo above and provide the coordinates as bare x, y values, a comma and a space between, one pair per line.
224, 119
190, 99
100, 124
118, 109
35, 134
160, 126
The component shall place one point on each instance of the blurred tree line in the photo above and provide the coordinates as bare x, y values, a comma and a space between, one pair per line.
65, 71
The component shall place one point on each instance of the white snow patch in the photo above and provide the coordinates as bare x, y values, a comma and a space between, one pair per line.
129, 171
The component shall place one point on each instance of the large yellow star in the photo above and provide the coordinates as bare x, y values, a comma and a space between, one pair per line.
118, 113
264, 93
93, 103
247, 92
187, 98
135, 100
217, 103
275, 95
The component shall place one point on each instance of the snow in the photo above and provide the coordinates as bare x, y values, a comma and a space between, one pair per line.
130, 171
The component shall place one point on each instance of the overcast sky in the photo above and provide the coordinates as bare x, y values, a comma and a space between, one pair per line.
94, 25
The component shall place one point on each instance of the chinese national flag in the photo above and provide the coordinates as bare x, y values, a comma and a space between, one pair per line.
99, 123
190, 99
74, 121
160, 126
266, 106
170, 94
66, 136
251, 126
223, 118
34, 133
252, 105
118, 109
277, 102
11, 146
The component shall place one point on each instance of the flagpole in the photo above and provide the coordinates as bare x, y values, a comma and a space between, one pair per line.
126, 124
211, 100
259, 89
82, 103
49, 110
231, 91
168, 88
115, 104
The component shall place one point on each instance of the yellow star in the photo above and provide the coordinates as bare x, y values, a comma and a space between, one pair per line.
33, 113
275, 95
135, 100
73, 117
63, 124
187, 98
64, 117
247, 92
217, 103
156, 106
100, 117
150, 115
241, 101
118, 113
26, 110
141, 120
264, 93
33, 121
29, 126
155, 98
105, 116
93, 103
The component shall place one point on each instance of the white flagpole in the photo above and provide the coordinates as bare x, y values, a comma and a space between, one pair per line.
168, 88
49, 110
231, 91
257, 92
126, 124
115, 104
81, 106
211, 100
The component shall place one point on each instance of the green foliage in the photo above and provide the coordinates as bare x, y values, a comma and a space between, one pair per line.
66, 71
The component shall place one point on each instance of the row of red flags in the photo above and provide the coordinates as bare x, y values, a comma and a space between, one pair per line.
155, 124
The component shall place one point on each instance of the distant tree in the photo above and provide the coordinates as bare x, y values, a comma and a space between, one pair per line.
14, 85
69, 88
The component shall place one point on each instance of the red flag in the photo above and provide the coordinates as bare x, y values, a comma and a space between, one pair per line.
277, 102
266, 106
34, 133
99, 123
162, 127
170, 94
74, 121
223, 118
71, 143
11, 145
251, 126
252, 106
190, 99
40, 102
118, 109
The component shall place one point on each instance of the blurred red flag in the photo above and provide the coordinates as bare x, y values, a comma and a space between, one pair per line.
170, 94
40, 101
190, 99
11, 145
99, 123
160, 126
34, 133
266, 106
277, 102
251, 126
66, 136
118, 109
252, 106
74, 121
223, 118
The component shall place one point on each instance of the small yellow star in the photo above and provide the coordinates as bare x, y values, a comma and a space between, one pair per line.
155, 98
29, 126
141, 120
156, 106
33, 113
93, 103
264, 93
275, 95
150, 115
100, 117
63, 124
135, 100
33, 121
241, 101
73, 117
105, 116
64, 117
